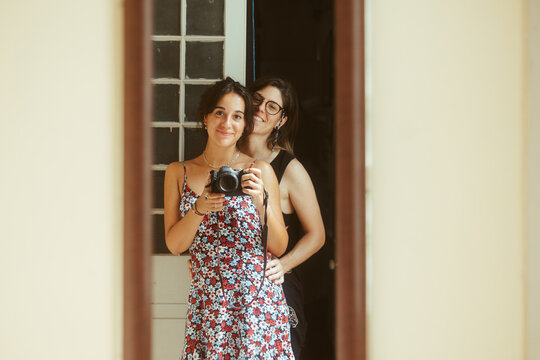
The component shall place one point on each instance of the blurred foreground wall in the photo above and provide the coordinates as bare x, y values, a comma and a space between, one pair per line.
60, 179
447, 114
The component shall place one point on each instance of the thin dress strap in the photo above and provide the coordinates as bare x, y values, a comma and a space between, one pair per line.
185, 177
253, 163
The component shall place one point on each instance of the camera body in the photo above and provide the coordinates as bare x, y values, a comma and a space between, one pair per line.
227, 181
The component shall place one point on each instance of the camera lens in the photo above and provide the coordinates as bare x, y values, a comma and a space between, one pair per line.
228, 183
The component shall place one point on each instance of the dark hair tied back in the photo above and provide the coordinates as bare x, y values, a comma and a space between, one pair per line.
213, 94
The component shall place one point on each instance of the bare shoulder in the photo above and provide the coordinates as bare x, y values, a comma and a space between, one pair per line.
245, 161
174, 177
175, 169
263, 166
295, 173
267, 172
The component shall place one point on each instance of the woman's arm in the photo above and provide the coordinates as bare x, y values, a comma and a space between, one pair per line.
261, 176
299, 187
180, 232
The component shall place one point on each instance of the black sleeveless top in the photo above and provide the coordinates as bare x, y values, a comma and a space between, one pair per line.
294, 228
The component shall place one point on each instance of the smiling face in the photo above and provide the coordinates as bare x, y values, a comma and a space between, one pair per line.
264, 122
226, 123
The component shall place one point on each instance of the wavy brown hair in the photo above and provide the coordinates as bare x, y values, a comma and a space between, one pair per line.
287, 132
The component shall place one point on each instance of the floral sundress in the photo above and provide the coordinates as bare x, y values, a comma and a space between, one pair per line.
228, 316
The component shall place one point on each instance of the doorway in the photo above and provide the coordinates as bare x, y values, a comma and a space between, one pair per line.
294, 40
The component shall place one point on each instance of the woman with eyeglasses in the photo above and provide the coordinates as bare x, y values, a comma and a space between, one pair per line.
232, 312
275, 120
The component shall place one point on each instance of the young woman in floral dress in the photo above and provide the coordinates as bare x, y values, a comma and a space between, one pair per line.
233, 313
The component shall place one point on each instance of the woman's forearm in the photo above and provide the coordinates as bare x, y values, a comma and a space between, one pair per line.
277, 234
307, 245
181, 235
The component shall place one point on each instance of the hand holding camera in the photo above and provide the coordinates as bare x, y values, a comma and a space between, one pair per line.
252, 184
209, 200
229, 182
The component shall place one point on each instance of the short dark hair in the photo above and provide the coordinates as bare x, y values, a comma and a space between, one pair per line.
287, 132
214, 93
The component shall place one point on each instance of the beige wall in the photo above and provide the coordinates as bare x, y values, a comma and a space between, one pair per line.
60, 182
447, 182
447, 113
533, 179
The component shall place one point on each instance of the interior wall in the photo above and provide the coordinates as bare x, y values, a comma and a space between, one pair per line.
60, 182
533, 179
447, 179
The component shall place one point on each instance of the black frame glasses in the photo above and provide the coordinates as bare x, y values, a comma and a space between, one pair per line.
269, 106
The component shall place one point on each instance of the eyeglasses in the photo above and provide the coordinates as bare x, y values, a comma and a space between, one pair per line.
271, 107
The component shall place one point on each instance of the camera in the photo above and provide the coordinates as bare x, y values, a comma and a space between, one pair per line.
227, 181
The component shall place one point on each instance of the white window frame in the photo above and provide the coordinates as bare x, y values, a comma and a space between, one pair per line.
234, 64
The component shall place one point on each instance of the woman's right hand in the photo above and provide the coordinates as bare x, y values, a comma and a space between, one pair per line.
210, 201
275, 272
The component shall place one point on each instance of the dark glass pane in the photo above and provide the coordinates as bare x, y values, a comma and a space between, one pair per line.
165, 145
204, 60
158, 179
194, 142
193, 95
166, 99
166, 17
166, 59
204, 17
160, 247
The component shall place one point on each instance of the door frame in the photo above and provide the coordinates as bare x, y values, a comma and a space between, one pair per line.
350, 234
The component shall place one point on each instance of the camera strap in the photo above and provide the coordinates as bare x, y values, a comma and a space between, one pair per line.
264, 240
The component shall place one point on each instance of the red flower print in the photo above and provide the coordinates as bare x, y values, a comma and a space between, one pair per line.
215, 329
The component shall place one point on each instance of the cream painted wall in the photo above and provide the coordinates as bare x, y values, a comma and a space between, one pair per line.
60, 179
533, 179
447, 180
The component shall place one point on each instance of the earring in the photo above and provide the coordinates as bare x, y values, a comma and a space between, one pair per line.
276, 135
205, 128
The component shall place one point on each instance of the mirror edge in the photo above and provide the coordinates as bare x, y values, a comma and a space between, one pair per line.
137, 330
350, 330
350, 198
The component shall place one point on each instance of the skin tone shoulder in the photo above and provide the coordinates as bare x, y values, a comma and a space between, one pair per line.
225, 125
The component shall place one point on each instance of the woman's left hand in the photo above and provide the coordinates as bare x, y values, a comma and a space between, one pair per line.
252, 184
274, 271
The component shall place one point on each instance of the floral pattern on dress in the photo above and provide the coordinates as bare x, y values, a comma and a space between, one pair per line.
233, 322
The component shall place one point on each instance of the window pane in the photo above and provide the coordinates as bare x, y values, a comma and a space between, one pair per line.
204, 60
159, 235
166, 59
193, 95
194, 142
165, 145
204, 17
166, 99
166, 17
158, 179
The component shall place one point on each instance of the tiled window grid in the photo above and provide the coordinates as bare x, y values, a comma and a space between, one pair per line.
233, 61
